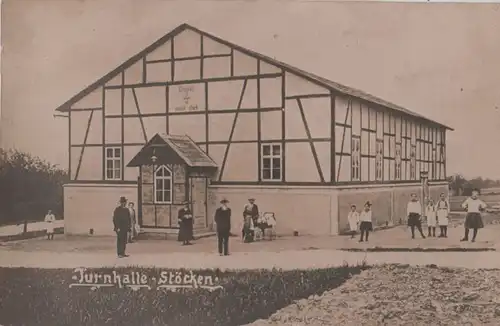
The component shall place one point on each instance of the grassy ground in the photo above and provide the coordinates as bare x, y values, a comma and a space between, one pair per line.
402, 295
44, 297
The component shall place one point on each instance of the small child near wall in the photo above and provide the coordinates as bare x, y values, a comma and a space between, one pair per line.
353, 220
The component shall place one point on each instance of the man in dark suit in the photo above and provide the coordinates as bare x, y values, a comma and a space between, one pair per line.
223, 222
121, 221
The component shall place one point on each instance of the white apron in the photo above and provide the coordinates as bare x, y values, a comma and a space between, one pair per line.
431, 217
442, 209
49, 223
353, 219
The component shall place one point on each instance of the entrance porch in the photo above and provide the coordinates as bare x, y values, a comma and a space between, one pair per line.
172, 170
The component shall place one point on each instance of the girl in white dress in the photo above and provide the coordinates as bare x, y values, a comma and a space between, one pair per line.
353, 219
430, 212
443, 212
49, 225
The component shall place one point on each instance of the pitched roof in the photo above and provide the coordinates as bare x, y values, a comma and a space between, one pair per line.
188, 150
299, 72
176, 149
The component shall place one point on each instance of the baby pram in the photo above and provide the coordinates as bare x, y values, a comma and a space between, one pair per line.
265, 222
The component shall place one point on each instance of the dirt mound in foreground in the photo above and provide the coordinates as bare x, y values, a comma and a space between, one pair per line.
402, 295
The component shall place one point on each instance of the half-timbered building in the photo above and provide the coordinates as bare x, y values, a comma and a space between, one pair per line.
194, 117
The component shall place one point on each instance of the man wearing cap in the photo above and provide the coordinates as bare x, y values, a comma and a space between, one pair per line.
223, 222
250, 217
121, 221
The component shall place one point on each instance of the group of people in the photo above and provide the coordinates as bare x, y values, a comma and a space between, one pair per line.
222, 220
126, 227
125, 224
436, 213
362, 220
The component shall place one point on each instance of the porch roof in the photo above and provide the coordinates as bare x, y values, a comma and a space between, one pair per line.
183, 148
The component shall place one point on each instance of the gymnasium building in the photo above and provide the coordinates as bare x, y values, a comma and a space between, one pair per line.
195, 117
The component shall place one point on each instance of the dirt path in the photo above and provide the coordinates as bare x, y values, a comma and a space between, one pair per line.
286, 260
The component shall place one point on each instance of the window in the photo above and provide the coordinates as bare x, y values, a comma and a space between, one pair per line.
271, 162
163, 185
413, 161
397, 174
356, 159
379, 159
113, 163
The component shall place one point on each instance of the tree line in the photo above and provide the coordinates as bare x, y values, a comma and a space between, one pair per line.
29, 187
460, 186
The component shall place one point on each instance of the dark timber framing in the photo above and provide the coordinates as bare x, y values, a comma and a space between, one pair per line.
283, 127
69, 146
343, 135
167, 109
425, 145
144, 70
218, 142
259, 128
201, 57
307, 96
243, 88
140, 115
311, 143
122, 128
200, 112
91, 115
206, 56
195, 81
332, 138
172, 62
86, 109
232, 62
103, 122
207, 118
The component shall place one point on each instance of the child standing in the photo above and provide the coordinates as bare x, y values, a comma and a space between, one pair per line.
443, 211
365, 219
353, 219
414, 211
430, 212
49, 224
474, 206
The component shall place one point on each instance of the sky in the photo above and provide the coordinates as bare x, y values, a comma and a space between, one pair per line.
440, 60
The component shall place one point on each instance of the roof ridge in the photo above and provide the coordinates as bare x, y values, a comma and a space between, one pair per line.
324, 82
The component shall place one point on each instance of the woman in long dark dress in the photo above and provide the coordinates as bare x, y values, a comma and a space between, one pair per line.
185, 218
